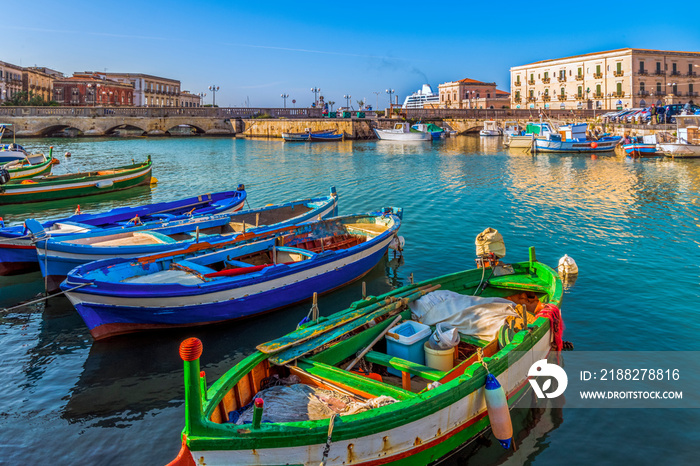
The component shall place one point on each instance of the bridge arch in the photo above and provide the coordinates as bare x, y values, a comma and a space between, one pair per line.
127, 127
185, 129
55, 129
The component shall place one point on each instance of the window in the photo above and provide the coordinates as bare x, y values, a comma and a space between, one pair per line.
597, 89
580, 71
619, 88
658, 88
658, 67
619, 67
580, 91
690, 89
641, 87
546, 74
562, 91
690, 69
641, 67
675, 68
597, 69
517, 95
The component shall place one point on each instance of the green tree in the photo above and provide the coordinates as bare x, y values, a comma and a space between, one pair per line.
29, 99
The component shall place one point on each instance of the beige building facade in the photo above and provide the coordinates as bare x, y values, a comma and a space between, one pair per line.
470, 93
187, 99
10, 80
37, 82
615, 79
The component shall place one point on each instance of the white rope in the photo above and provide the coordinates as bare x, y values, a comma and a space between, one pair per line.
45, 297
4, 240
329, 440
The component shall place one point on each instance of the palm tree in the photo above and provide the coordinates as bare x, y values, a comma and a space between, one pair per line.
361, 104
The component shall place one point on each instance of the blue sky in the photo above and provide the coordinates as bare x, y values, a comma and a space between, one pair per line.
257, 50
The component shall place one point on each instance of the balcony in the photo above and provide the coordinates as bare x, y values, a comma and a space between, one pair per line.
597, 95
531, 82
597, 75
691, 94
517, 99
643, 93
619, 94
545, 80
675, 73
579, 77
691, 74
581, 97
562, 79
546, 98
516, 84
561, 97
532, 99
659, 93
659, 73
642, 73
617, 74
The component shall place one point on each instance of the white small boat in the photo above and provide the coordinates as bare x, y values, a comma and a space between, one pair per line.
511, 128
10, 152
434, 130
687, 143
491, 128
525, 138
402, 132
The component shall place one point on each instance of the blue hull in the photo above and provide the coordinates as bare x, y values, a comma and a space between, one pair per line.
105, 320
17, 254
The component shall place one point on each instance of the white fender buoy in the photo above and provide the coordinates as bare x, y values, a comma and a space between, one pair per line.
397, 243
497, 407
67, 154
567, 266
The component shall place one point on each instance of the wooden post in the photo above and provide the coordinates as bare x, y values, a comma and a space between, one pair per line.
405, 380
364, 290
257, 219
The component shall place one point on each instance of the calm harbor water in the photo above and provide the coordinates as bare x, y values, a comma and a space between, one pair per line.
632, 227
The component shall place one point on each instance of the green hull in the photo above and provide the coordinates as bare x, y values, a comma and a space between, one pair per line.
51, 188
31, 171
203, 437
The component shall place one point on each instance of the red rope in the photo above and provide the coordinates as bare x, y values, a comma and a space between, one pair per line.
553, 313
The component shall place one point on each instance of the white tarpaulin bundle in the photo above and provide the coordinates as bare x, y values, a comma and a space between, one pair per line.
470, 315
490, 241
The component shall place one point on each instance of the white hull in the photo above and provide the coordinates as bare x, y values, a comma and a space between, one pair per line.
519, 142
680, 150
393, 135
489, 132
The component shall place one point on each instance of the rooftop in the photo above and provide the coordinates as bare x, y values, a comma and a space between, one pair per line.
624, 50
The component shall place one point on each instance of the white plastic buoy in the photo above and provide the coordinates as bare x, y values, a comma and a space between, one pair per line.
397, 243
497, 407
567, 266
67, 154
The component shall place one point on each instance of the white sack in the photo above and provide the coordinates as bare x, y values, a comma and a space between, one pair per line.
470, 315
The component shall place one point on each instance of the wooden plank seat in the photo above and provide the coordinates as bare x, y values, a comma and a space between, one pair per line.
403, 365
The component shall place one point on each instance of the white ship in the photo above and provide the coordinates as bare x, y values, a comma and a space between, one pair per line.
420, 98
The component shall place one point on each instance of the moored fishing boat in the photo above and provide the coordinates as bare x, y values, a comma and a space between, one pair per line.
33, 165
18, 252
524, 138
306, 135
687, 143
435, 131
10, 152
646, 147
573, 138
54, 187
324, 137
208, 283
402, 132
343, 417
57, 257
491, 128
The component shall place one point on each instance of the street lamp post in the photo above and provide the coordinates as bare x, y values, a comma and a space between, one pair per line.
201, 95
316, 91
213, 88
347, 98
377, 94
284, 97
390, 92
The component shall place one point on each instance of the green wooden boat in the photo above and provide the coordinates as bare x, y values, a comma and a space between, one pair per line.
54, 187
34, 165
424, 422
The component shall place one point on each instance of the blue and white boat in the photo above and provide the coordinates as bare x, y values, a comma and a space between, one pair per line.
573, 138
642, 147
435, 131
198, 286
58, 256
18, 254
10, 152
523, 138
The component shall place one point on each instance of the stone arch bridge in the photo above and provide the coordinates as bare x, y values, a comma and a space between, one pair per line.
100, 121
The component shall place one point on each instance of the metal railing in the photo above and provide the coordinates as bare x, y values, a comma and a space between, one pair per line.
163, 112
496, 113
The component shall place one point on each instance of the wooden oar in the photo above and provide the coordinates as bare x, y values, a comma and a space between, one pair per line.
327, 337
303, 334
